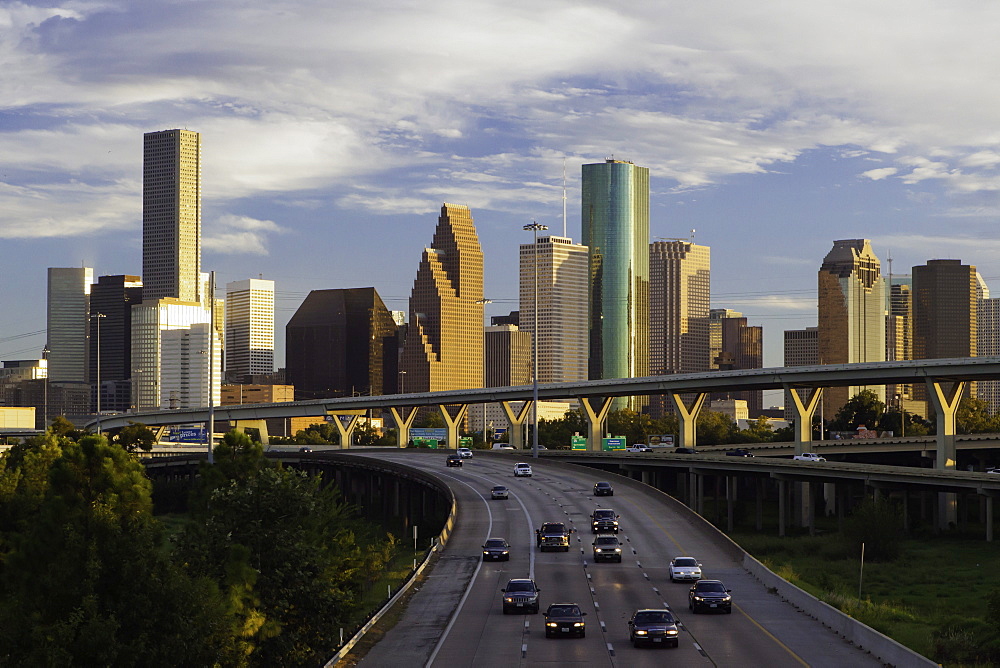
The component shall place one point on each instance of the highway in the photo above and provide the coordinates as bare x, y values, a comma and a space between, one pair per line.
762, 630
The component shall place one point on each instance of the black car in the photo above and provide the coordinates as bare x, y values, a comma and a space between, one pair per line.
454, 460
564, 619
520, 595
604, 520
496, 549
656, 627
604, 489
710, 595
739, 452
305, 448
607, 548
685, 451
553, 536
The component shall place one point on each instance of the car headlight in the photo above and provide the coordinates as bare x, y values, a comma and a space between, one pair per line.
697, 598
485, 552
728, 598
577, 624
618, 549
551, 624
508, 600
505, 552
640, 632
671, 632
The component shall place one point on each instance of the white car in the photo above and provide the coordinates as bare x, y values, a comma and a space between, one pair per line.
809, 457
522, 470
684, 568
464, 453
639, 447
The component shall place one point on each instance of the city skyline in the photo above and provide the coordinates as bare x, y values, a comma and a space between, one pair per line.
770, 138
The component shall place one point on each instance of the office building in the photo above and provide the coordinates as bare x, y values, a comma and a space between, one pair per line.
615, 224
508, 356
852, 304
186, 365
171, 215
734, 344
444, 338
150, 320
68, 309
113, 297
899, 338
988, 345
801, 348
249, 325
562, 269
341, 343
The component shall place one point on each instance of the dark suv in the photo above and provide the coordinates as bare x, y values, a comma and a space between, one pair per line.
564, 619
520, 595
604, 520
607, 548
554, 536
656, 627
710, 595
454, 460
604, 489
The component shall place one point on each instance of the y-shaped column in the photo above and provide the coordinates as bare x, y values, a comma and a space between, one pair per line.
595, 421
945, 407
516, 420
403, 421
687, 417
452, 423
804, 417
345, 431
259, 425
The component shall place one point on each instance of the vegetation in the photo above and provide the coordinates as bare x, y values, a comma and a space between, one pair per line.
270, 568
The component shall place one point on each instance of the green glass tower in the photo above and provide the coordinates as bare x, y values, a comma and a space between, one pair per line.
615, 219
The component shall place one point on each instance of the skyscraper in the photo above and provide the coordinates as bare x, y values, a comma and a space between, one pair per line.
171, 215
899, 336
185, 367
988, 344
508, 356
801, 348
340, 343
149, 320
68, 323
114, 297
615, 220
851, 314
562, 312
249, 328
736, 345
444, 339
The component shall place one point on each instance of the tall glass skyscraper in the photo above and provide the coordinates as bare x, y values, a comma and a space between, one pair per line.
615, 220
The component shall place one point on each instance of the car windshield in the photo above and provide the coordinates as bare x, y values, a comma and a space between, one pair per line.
496, 542
520, 586
711, 587
564, 611
654, 617
554, 528
499, 489
686, 562
607, 541
604, 514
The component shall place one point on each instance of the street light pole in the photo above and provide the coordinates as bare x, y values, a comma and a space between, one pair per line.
98, 317
484, 301
45, 389
402, 377
535, 227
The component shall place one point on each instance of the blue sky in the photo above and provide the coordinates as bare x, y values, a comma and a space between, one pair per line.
332, 133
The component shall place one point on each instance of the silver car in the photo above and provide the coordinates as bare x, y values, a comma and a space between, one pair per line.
685, 569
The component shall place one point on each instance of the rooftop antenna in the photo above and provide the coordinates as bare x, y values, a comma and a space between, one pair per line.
564, 196
692, 235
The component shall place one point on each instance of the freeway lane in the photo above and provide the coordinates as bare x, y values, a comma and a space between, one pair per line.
762, 630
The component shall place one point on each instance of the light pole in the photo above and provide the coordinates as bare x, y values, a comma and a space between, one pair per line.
210, 426
98, 317
902, 416
402, 377
45, 389
535, 227
484, 301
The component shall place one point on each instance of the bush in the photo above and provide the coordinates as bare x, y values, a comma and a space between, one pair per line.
879, 526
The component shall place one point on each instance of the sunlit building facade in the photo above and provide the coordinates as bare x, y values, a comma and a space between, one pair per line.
249, 328
68, 323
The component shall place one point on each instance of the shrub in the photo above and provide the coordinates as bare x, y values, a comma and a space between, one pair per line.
879, 525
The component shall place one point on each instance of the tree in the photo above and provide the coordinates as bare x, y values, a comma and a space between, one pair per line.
135, 436
715, 428
864, 408
973, 417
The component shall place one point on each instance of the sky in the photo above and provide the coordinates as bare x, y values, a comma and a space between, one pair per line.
333, 132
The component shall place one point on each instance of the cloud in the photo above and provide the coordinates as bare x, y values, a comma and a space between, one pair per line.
240, 235
880, 173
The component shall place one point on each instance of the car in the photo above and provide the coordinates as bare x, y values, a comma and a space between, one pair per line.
522, 470
685, 451
809, 457
454, 460
684, 568
496, 549
993, 470
653, 626
604, 520
710, 595
604, 489
607, 548
553, 535
502, 446
565, 619
520, 595
638, 447
739, 452
498, 492
305, 448
465, 453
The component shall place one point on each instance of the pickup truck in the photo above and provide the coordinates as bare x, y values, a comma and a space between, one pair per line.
604, 520
553, 536
638, 447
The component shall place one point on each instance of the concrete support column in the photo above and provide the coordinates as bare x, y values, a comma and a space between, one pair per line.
829, 498
782, 510
803, 417
730, 501
453, 423
945, 406
516, 420
687, 417
346, 431
647, 477
403, 418
808, 508
989, 519
759, 484
699, 482
595, 420
260, 425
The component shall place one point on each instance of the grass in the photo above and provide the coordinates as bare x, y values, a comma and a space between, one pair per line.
935, 580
